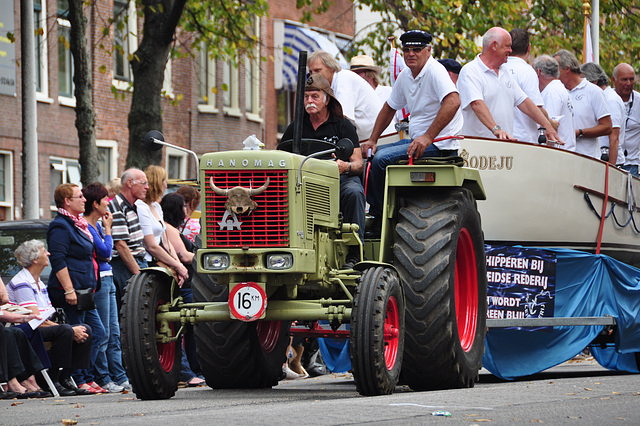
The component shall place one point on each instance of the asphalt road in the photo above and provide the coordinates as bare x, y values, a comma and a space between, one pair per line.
574, 393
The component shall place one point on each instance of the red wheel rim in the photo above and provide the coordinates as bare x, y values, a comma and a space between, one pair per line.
466, 288
268, 334
391, 332
166, 351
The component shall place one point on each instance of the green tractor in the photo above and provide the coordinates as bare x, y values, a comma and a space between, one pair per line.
273, 246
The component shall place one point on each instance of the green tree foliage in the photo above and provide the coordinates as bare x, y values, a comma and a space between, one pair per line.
176, 28
458, 24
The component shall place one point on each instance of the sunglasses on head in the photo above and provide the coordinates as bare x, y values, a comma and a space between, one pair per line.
413, 49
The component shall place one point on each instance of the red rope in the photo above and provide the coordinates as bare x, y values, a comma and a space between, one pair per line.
603, 216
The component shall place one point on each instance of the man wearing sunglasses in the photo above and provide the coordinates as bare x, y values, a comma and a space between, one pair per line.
489, 94
433, 101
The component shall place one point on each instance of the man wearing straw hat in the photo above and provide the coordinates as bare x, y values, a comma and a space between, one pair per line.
364, 66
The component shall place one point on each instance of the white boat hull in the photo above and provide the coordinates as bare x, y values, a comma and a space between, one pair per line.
536, 197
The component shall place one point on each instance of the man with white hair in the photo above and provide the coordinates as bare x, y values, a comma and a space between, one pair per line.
323, 119
433, 100
612, 144
128, 248
358, 99
489, 95
623, 80
556, 99
591, 116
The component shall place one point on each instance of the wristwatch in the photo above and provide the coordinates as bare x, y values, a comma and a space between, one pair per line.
496, 127
580, 134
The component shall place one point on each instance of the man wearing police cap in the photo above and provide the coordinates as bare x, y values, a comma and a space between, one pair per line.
323, 119
426, 88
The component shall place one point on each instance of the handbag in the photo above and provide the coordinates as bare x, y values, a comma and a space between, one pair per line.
59, 317
85, 299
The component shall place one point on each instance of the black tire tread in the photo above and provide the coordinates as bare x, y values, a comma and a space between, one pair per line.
367, 332
229, 352
424, 251
139, 350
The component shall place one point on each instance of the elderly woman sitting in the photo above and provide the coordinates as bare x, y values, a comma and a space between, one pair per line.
70, 346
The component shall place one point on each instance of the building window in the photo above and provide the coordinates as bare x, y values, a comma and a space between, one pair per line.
121, 69
176, 163
107, 160
65, 59
63, 170
6, 186
252, 77
206, 82
230, 88
39, 12
286, 106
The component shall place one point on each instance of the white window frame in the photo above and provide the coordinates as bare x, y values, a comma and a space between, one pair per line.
232, 89
252, 80
132, 45
62, 165
183, 158
8, 189
43, 94
207, 76
62, 99
113, 146
167, 87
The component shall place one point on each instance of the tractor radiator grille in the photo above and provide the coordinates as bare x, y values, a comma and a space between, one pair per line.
267, 226
318, 203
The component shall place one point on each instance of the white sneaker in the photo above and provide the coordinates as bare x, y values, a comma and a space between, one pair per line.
126, 386
113, 388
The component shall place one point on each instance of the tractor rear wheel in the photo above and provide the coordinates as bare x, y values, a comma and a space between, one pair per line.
152, 367
236, 354
439, 253
377, 332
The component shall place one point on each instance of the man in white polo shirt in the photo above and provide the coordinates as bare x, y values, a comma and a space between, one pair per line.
624, 78
359, 101
591, 117
489, 95
426, 88
611, 145
524, 128
556, 99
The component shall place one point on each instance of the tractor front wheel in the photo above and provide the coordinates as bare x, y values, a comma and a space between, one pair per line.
377, 332
152, 367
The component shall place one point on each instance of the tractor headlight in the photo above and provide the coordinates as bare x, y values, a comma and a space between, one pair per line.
279, 261
215, 261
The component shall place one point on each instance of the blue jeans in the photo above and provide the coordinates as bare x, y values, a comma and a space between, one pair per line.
385, 156
189, 349
632, 168
108, 366
92, 319
352, 201
121, 276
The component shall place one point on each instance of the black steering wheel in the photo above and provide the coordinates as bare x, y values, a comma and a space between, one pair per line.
343, 149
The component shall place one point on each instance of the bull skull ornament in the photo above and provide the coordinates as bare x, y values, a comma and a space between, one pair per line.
238, 198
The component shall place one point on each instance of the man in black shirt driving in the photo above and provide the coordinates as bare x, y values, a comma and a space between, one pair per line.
323, 120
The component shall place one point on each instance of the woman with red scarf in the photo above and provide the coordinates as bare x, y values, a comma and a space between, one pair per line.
74, 266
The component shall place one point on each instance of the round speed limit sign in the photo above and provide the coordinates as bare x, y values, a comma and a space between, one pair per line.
247, 301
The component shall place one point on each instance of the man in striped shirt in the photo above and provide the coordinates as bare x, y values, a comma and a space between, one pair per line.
128, 250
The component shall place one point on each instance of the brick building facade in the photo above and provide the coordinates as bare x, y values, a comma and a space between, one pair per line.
199, 122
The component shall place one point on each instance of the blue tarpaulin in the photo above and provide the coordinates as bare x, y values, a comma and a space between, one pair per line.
586, 285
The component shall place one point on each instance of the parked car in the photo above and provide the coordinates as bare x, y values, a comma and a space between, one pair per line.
12, 234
